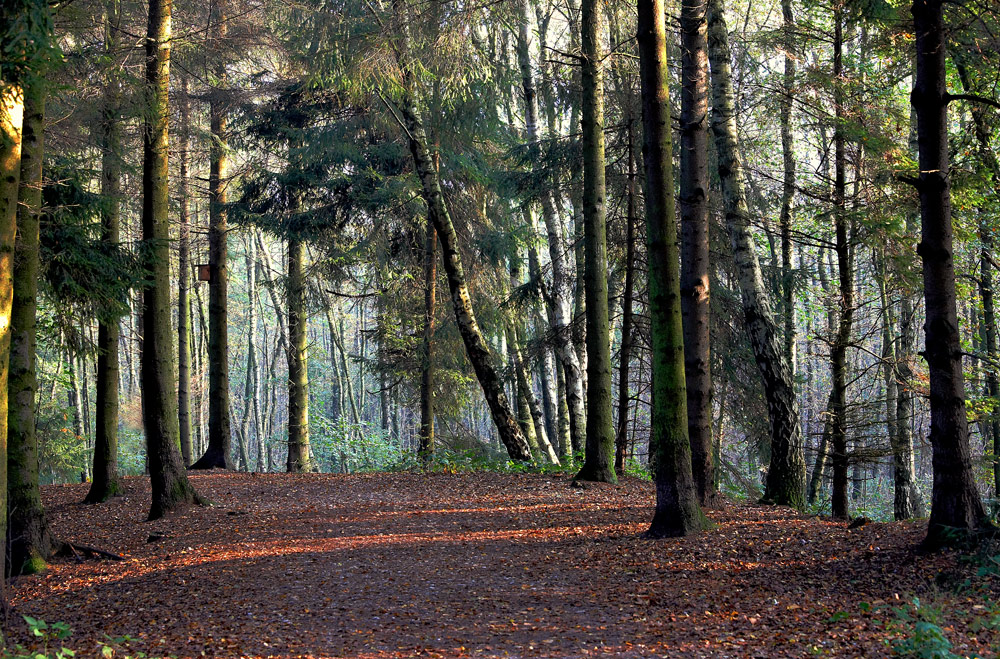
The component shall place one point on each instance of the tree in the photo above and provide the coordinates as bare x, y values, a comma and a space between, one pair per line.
560, 291
170, 485
426, 450
11, 117
298, 369
184, 281
955, 501
476, 348
600, 446
786, 474
30, 542
838, 351
219, 432
695, 297
677, 511
106, 482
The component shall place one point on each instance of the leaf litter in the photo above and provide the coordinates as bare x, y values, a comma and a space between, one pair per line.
384, 565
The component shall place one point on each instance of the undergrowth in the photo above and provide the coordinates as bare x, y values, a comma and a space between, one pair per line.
51, 636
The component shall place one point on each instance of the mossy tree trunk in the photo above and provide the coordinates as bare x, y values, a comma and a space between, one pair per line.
170, 485
677, 510
30, 542
11, 117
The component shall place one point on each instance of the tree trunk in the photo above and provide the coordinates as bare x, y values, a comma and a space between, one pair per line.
677, 510
11, 116
426, 450
822, 455
184, 283
955, 502
838, 350
475, 345
986, 241
105, 481
907, 501
788, 181
248, 429
786, 474
219, 433
30, 543
523, 375
298, 371
600, 445
170, 485
695, 296
625, 352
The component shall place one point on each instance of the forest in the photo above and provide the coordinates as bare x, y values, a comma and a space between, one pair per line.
703, 265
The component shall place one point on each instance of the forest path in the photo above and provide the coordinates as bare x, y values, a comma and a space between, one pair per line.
484, 565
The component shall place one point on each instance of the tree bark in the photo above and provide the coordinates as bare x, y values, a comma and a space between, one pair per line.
600, 444
426, 449
106, 482
170, 485
298, 370
184, 283
11, 117
786, 475
30, 543
838, 350
695, 295
677, 510
955, 502
219, 432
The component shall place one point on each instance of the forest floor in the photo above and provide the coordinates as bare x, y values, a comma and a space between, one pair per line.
490, 565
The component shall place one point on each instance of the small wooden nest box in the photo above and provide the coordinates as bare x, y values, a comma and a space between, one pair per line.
204, 272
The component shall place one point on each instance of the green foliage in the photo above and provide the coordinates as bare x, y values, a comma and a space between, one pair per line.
83, 274
924, 638
27, 45
339, 446
48, 635
55, 633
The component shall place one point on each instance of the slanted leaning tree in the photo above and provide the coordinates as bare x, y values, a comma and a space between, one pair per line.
476, 347
787, 470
